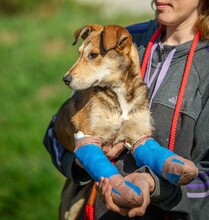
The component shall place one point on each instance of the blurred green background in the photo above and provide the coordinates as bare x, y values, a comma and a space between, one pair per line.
35, 51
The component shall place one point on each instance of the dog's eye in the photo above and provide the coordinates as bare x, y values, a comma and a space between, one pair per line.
93, 55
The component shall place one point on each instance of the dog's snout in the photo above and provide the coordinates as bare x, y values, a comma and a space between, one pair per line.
67, 80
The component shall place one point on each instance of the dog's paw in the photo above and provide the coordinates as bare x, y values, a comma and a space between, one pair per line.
125, 194
179, 171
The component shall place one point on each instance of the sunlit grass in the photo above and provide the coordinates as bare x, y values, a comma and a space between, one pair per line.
35, 52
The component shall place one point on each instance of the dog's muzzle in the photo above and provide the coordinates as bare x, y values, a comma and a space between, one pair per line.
67, 80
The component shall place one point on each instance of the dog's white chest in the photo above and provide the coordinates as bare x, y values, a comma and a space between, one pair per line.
125, 106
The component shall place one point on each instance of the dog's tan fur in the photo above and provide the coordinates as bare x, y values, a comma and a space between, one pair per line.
110, 98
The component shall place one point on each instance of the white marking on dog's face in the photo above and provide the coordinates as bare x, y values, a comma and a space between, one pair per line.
92, 68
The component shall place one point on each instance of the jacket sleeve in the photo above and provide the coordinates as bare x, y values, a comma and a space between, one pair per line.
192, 199
63, 159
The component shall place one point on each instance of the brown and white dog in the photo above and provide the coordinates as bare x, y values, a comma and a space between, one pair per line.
110, 98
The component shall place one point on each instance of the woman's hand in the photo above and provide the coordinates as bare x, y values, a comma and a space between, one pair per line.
143, 180
113, 152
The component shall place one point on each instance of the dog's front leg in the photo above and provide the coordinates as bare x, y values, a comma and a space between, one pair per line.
165, 163
89, 153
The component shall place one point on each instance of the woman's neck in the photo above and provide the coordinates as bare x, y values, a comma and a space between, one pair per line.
179, 34
177, 37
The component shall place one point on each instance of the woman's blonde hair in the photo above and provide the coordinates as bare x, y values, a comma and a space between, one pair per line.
202, 23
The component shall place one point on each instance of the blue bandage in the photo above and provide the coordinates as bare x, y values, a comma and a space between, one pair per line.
95, 162
152, 155
97, 165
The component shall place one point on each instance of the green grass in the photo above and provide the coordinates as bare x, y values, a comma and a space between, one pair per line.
35, 52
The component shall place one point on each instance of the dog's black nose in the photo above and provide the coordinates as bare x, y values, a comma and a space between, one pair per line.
67, 80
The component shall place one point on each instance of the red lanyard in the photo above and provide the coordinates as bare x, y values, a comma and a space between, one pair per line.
183, 82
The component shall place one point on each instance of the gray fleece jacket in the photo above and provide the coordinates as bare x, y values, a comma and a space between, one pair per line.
188, 202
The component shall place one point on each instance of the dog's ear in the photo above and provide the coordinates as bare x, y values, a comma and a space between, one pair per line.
116, 37
85, 31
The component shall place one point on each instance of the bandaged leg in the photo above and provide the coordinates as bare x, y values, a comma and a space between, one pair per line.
94, 161
165, 163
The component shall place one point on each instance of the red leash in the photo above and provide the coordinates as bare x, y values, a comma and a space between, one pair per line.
183, 83
89, 208
148, 51
90, 205
182, 91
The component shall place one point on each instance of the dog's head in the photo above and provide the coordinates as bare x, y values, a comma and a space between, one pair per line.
105, 55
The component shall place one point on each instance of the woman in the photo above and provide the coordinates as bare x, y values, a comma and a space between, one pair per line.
180, 112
